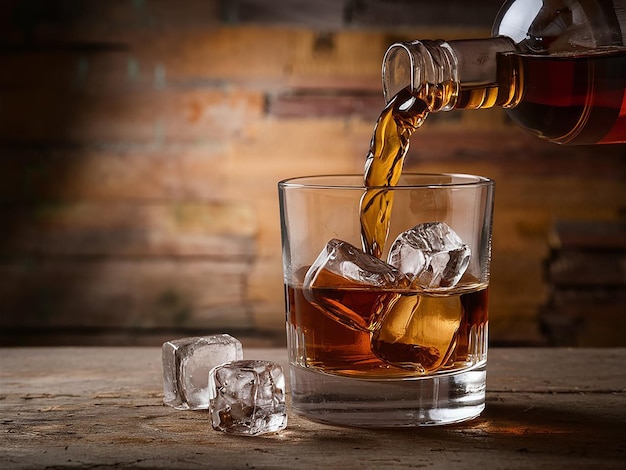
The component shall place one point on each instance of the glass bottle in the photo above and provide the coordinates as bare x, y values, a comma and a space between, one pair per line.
557, 66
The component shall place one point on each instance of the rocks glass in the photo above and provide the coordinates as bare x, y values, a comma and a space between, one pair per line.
396, 340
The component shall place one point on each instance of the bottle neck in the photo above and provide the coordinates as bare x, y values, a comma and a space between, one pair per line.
454, 74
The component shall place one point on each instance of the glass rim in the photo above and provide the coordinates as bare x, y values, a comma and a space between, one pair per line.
459, 180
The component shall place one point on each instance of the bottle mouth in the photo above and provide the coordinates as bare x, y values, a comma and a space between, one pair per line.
427, 68
398, 70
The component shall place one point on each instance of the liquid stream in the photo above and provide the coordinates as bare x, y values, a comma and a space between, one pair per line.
403, 115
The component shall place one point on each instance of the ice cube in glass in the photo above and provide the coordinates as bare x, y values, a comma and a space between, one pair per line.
341, 272
418, 332
431, 255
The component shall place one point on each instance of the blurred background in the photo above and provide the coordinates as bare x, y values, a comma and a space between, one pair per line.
141, 142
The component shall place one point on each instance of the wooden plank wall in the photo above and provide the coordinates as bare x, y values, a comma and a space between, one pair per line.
141, 142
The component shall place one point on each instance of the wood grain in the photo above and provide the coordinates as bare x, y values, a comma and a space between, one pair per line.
101, 407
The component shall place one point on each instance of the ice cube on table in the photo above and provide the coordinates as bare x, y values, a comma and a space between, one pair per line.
186, 366
337, 279
248, 397
431, 255
418, 332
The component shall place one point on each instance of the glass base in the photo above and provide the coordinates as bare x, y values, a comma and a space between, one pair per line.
425, 401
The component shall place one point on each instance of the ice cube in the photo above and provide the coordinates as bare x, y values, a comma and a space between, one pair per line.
186, 366
248, 397
418, 332
337, 280
431, 255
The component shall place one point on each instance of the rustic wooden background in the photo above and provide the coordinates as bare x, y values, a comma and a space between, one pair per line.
141, 142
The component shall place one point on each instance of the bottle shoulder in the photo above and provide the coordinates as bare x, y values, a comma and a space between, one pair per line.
553, 26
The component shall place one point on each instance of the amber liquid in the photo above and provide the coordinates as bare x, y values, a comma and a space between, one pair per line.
573, 99
389, 333
325, 344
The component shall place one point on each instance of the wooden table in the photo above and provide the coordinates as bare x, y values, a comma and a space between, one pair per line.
101, 407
